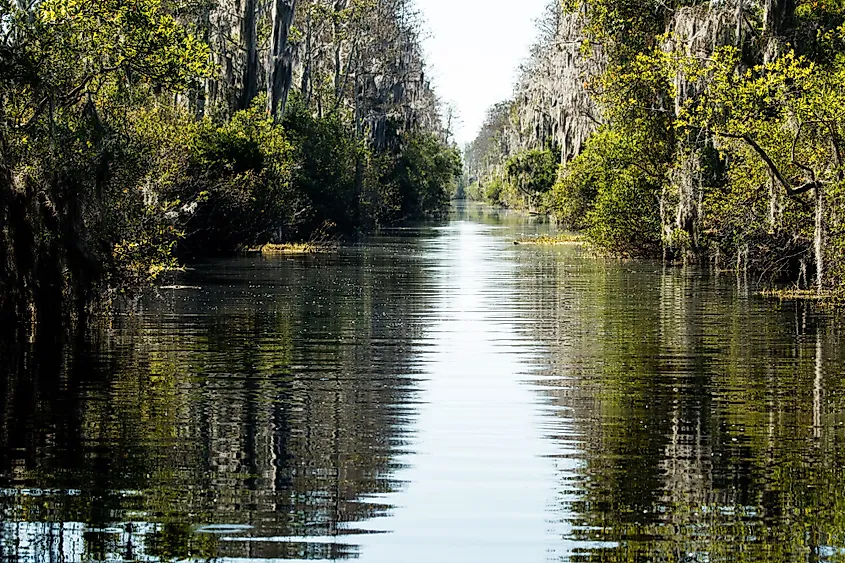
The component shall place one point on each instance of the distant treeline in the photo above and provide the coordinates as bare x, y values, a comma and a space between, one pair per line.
695, 131
133, 134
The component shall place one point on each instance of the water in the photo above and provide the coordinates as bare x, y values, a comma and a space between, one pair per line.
432, 395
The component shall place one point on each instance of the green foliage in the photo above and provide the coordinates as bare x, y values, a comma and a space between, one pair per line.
229, 184
750, 225
815, 18
733, 153
494, 190
777, 126
76, 214
788, 117
531, 173
575, 191
68, 50
104, 177
484, 156
625, 29
328, 157
522, 181
835, 236
612, 198
474, 192
415, 181
612, 190
247, 181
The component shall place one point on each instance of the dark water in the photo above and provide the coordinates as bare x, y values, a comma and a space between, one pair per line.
436, 395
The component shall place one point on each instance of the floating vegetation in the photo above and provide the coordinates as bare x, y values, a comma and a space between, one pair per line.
300, 248
793, 294
557, 240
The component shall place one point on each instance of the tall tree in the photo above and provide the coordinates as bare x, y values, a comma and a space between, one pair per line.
250, 39
280, 65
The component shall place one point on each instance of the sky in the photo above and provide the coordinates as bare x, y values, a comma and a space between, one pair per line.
474, 49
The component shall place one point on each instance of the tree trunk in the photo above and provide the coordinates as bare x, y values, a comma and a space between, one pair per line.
202, 92
306, 72
338, 43
250, 45
819, 237
280, 67
775, 14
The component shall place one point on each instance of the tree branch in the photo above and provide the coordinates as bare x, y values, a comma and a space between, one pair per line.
38, 110
790, 190
803, 167
837, 149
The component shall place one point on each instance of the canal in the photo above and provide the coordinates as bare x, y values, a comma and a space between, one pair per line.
432, 394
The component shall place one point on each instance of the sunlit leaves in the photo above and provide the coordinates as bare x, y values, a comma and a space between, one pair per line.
609, 192
139, 38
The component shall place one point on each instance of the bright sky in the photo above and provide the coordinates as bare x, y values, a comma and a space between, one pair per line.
474, 49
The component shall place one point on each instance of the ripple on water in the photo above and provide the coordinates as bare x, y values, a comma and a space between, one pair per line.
432, 394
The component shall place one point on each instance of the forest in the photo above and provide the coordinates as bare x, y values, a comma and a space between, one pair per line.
696, 132
135, 136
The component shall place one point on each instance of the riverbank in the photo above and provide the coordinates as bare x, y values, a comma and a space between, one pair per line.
677, 133
552, 240
112, 175
780, 292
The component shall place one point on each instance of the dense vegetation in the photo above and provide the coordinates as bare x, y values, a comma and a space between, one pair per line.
706, 131
135, 134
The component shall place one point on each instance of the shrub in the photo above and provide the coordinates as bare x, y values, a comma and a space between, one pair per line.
573, 194
624, 218
326, 177
612, 198
226, 185
531, 174
415, 181
494, 190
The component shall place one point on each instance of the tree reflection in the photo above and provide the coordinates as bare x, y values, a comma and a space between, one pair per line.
694, 421
710, 424
276, 399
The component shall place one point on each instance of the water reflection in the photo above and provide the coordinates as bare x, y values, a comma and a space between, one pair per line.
436, 394
709, 425
274, 398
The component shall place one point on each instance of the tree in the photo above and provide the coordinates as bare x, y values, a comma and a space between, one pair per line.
280, 66
69, 71
789, 113
532, 173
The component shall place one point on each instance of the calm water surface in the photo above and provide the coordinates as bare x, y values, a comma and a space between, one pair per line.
437, 395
